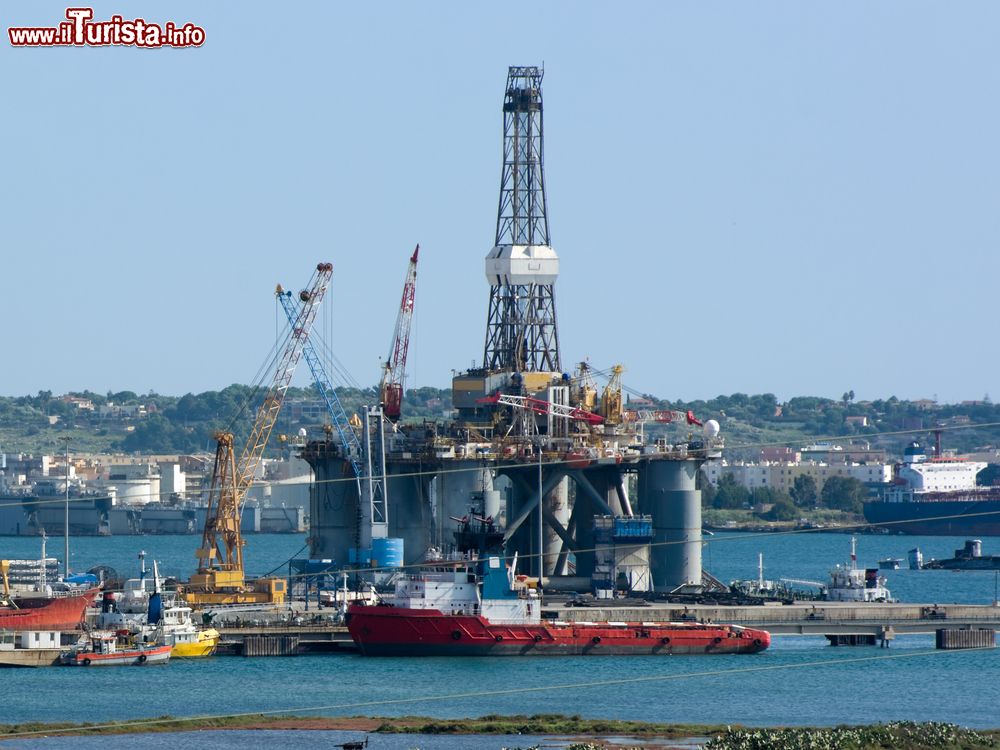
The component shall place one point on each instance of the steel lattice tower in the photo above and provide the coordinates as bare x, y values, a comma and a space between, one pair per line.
521, 333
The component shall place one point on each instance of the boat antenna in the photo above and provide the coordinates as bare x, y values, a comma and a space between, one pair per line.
41, 568
854, 555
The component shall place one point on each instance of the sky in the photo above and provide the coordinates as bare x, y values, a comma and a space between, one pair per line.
769, 197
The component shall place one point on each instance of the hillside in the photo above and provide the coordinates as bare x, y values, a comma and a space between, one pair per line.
151, 422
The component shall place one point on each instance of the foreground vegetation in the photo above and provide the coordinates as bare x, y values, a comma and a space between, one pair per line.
918, 736
905, 734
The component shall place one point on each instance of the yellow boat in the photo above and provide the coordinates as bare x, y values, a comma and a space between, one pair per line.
177, 629
204, 643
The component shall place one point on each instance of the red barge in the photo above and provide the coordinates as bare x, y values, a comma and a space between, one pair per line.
450, 609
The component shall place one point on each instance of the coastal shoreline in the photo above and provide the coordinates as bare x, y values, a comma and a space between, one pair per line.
572, 728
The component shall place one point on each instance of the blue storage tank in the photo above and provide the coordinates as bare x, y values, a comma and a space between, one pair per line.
387, 553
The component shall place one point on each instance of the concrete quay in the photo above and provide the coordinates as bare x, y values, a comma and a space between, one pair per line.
284, 640
805, 618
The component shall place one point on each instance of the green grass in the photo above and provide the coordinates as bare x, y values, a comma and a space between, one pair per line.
918, 736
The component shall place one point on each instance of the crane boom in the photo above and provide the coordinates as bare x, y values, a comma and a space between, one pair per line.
348, 437
661, 415
391, 388
220, 557
267, 414
540, 406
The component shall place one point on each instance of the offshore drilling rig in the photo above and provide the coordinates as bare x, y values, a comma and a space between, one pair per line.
563, 453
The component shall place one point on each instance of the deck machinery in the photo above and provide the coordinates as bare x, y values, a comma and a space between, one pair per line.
524, 424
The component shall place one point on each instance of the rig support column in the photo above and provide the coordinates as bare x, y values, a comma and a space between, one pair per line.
668, 493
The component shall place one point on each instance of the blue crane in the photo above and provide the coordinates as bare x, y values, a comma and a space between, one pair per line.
348, 438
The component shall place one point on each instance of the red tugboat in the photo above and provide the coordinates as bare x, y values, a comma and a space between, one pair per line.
450, 609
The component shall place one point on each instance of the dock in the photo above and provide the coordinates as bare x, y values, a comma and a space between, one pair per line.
284, 640
807, 618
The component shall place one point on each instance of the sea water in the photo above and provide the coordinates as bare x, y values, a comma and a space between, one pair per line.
800, 680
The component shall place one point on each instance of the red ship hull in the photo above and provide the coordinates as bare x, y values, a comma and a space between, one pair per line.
45, 613
392, 631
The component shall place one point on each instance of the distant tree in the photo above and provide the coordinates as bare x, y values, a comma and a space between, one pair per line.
156, 433
767, 496
730, 493
804, 491
707, 490
764, 405
782, 510
123, 397
844, 493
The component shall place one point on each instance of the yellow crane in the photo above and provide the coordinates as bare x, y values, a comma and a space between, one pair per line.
220, 578
611, 399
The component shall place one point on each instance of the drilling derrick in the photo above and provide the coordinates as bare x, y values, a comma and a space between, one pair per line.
522, 268
561, 466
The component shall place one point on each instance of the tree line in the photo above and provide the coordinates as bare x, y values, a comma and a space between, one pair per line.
838, 493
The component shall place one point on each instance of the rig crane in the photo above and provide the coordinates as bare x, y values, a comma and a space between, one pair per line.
611, 398
373, 504
540, 406
391, 388
661, 415
349, 442
220, 578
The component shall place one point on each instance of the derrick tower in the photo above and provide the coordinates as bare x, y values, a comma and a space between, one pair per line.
522, 267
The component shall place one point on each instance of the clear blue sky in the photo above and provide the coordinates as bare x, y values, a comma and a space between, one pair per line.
795, 198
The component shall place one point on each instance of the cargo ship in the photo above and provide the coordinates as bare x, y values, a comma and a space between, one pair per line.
937, 497
45, 612
468, 607
41, 612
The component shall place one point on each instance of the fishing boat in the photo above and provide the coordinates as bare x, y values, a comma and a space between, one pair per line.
163, 621
470, 607
176, 629
111, 649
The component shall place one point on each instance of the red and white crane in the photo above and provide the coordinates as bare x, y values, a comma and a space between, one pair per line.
391, 388
540, 406
660, 415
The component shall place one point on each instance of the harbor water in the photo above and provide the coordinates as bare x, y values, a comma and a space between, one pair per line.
800, 680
